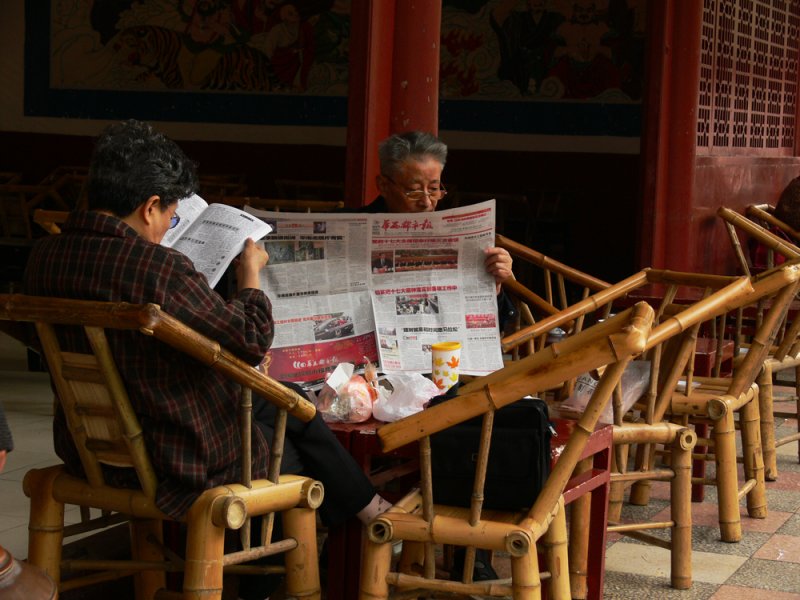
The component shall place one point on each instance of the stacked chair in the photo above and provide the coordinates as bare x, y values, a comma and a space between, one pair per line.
106, 431
785, 352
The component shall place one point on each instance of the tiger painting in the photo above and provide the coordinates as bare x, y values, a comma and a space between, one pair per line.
164, 55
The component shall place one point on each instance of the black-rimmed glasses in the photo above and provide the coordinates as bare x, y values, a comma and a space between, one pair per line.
174, 220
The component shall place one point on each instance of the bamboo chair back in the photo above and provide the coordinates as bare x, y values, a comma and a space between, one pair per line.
417, 520
50, 220
757, 232
785, 354
558, 286
764, 214
106, 430
17, 203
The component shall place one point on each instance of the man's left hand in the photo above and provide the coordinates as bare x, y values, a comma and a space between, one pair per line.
498, 265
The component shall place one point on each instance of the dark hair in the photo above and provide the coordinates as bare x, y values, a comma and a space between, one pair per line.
416, 145
131, 161
788, 207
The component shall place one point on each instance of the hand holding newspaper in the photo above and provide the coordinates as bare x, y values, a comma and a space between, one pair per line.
212, 235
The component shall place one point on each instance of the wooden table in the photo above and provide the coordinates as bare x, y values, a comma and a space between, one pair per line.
586, 491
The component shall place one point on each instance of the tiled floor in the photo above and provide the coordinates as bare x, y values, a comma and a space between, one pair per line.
765, 564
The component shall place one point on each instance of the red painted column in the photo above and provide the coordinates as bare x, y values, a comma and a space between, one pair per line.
394, 82
415, 70
369, 100
670, 146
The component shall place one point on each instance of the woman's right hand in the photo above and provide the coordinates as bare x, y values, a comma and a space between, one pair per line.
252, 259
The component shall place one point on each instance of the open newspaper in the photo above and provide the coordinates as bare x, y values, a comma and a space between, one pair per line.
382, 286
212, 235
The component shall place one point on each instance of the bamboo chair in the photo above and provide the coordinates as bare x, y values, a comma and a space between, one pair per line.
421, 524
50, 220
106, 431
17, 202
559, 284
785, 354
704, 406
716, 296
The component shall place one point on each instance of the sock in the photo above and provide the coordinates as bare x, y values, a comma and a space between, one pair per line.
376, 506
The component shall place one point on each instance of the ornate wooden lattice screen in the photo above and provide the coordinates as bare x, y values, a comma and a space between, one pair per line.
748, 77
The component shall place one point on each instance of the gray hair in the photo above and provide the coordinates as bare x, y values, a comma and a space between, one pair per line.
416, 145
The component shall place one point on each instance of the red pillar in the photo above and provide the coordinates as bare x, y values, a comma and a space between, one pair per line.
415, 69
670, 135
368, 102
394, 82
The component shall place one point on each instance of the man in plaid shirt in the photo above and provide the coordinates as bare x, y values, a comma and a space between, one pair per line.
188, 413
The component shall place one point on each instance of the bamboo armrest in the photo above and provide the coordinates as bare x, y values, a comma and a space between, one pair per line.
50, 220
765, 213
759, 233
151, 320
529, 254
622, 336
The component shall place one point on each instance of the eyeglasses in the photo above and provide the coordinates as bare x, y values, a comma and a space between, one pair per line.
434, 192
174, 220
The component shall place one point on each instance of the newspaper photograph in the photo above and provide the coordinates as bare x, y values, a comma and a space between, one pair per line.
352, 287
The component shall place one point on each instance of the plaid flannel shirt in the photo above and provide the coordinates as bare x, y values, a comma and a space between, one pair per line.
188, 412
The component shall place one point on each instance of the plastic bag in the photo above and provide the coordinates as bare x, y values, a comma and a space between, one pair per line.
634, 382
345, 397
410, 392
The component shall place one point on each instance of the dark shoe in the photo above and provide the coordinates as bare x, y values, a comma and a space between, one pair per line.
482, 571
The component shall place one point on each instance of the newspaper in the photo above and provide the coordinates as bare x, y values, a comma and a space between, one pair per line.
381, 286
212, 235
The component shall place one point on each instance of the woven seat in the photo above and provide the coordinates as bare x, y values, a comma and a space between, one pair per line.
106, 432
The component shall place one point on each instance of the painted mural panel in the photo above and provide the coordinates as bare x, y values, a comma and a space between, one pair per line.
561, 67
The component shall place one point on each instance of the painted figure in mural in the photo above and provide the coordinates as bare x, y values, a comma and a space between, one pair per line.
583, 61
527, 42
164, 57
290, 48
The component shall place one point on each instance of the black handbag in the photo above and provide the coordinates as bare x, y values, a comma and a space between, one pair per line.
519, 457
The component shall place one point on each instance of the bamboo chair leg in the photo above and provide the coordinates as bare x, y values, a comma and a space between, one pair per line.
766, 410
681, 509
797, 405
579, 518
46, 523
202, 579
375, 565
753, 459
412, 558
730, 521
302, 564
617, 491
525, 581
146, 583
645, 461
554, 544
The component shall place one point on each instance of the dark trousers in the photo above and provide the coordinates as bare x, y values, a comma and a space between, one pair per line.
311, 449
